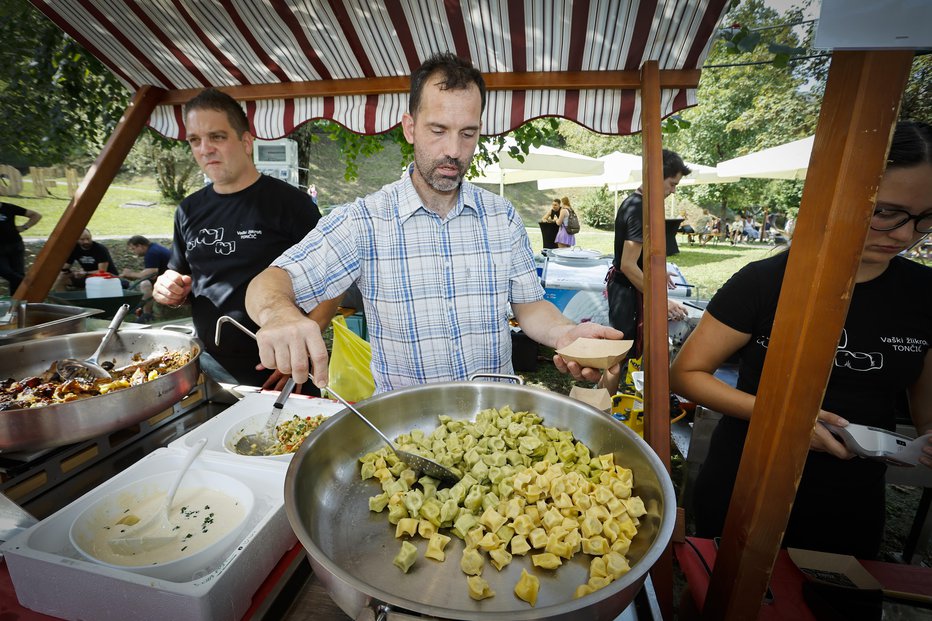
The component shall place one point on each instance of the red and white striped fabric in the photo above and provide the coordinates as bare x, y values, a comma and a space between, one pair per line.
182, 44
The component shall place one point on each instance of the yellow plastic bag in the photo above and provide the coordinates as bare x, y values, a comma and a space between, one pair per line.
634, 365
350, 360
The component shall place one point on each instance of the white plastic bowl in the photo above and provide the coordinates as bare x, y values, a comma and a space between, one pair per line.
252, 425
109, 509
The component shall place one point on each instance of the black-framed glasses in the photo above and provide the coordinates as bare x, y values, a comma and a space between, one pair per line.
889, 218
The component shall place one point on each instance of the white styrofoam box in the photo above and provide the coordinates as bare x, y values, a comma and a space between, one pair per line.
251, 411
51, 577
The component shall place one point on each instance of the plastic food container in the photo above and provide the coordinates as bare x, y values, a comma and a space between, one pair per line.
50, 576
103, 287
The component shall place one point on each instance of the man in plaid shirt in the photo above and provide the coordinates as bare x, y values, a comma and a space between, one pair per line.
439, 261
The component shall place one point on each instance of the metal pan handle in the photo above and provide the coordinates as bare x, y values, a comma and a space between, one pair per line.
517, 379
189, 330
385, 613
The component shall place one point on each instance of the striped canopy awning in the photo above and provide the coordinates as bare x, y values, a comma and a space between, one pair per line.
180, 45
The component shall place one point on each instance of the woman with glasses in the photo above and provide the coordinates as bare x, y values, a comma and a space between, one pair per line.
882, 357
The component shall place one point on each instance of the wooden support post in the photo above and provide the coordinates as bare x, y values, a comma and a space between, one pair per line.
37, 175
858, 114
71, 179
656, 362
42, 274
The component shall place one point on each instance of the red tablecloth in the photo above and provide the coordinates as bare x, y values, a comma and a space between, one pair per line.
786, 581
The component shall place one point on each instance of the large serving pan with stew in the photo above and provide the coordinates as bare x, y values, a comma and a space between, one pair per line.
351, 549
65, 423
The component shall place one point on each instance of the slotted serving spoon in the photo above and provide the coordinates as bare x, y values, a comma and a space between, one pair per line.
90, 368
417, 462
155, 530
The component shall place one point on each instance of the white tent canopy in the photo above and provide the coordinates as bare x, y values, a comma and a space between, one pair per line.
618, 169
787, 161
539, 163
623, 172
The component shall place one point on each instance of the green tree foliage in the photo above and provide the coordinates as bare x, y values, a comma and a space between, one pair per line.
58, 102
580, 140
597, 209
747, 107
917, 99
176, 171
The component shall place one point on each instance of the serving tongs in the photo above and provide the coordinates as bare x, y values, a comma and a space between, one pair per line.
261, 443
15, 315
416, 462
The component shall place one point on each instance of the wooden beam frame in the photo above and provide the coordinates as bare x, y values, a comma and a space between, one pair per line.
531, 80
858, 114
656, 363
42, 274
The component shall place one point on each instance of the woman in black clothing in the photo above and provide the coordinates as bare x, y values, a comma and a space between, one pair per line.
883, 353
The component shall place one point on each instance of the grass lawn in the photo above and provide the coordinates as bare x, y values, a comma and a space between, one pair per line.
110, 218
707, 267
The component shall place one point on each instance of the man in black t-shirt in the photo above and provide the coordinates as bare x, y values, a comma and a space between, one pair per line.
626, 279
228, 232
12, 262
87, 257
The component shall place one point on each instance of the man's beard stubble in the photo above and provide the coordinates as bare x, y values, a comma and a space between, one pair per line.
438, 182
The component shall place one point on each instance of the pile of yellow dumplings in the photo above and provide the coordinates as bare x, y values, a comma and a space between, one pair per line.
524, 489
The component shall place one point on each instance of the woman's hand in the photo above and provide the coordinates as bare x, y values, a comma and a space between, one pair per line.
926, 457
824, 441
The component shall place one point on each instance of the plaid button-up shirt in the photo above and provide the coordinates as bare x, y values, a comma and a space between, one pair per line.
436, 291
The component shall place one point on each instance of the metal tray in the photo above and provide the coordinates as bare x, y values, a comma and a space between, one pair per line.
39, 320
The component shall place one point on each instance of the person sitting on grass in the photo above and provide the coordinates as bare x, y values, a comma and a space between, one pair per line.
90, 257
155, 262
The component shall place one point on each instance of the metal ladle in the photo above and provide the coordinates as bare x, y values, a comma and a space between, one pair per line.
72, 367
417, 462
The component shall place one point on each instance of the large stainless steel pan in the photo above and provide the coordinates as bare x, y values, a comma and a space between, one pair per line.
66, 423
351, 549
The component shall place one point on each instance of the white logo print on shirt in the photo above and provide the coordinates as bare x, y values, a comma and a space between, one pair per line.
213, 237
856, 360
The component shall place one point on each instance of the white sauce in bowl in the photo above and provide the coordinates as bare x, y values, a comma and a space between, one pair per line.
202, 516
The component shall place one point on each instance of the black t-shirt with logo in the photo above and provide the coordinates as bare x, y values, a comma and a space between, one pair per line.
89, 259
224, 241
880, 354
